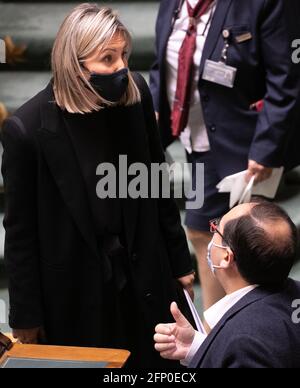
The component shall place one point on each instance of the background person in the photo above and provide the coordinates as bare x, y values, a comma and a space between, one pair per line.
214, 122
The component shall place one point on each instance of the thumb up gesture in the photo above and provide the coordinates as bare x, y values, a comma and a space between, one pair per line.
173, 340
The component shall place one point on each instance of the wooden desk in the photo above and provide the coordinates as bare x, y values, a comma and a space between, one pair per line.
114, 358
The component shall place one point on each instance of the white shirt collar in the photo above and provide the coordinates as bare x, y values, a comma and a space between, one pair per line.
215, 313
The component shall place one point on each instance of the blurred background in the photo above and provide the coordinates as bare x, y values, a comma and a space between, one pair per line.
29, 28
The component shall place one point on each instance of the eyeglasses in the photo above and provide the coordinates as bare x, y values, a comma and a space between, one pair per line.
214, 225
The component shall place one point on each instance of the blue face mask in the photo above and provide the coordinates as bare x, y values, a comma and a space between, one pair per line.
209, 260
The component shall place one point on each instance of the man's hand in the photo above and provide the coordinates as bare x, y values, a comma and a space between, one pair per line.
261, 173
29, 336
187, 282
173, 340
157, 116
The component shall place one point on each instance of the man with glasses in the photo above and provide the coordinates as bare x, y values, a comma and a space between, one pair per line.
251, 254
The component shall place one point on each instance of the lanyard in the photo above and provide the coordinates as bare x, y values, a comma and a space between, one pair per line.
179, 8
209, 19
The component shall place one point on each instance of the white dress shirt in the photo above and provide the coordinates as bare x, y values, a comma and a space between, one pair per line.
213, 316
194, 137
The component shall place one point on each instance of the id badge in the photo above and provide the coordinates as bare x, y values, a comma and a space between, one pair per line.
219, 73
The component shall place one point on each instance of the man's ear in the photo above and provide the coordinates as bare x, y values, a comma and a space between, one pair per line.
228, 260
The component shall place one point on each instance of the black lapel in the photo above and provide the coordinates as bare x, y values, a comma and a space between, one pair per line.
62, 162
252, 297
215, 30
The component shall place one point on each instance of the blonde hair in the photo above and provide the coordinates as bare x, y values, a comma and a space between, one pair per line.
86, 29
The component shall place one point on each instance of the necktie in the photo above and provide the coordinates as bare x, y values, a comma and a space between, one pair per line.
181, 107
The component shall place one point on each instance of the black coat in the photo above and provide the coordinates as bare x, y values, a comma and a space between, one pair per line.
51, 253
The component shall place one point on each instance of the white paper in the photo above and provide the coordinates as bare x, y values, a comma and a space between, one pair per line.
247, 194
241, 191
195, 314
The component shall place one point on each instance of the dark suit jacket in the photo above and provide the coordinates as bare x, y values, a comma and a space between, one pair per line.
258, 332
51, 252
265, 71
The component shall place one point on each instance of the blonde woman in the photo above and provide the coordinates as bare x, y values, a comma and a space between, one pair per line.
82, 270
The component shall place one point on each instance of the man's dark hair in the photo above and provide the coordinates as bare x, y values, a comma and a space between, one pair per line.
264, 243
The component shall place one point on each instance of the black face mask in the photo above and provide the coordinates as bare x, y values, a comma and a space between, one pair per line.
111, 86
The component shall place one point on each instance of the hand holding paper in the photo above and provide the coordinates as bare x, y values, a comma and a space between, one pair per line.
261, 172
241, 191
